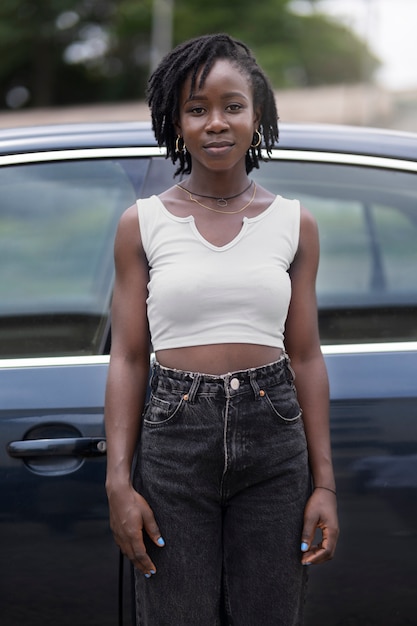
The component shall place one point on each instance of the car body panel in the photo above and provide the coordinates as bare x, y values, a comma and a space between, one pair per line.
310, 137
58, 560
60, 565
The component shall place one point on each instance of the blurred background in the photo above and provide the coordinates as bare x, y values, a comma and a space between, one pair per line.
336, 61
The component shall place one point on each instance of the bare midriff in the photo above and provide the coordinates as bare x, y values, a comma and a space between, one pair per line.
218, 359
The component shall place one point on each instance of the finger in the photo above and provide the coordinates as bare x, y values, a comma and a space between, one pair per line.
141, 559
322, 552
316, 555
152, 529
143, 563
133, 547
329, 541
307, 535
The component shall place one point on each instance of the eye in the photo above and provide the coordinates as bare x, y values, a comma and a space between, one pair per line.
197, 110
234, 107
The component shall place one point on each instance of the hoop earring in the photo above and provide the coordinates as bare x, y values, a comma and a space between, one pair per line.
179, 150
258, 140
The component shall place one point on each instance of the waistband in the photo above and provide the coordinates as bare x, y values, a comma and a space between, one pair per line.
235, 382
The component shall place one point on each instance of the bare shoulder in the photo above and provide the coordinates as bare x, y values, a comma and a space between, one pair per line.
309, 233
307, 220
129, 218
308, 245
128, 237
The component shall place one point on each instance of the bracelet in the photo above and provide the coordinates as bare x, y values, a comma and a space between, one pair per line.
327, 489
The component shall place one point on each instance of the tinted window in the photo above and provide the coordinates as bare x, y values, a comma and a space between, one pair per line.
57, 225
367, 282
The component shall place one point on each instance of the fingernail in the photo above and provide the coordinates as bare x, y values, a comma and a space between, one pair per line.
304, 546
152, 571
147, 575
160, 542
306, 564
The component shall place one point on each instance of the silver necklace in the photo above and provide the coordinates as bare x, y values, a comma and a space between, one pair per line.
218, 210
222, 202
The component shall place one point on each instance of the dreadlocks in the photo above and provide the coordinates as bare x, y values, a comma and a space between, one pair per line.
186, 60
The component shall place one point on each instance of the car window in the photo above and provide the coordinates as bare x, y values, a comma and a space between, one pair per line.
367, 217
57, 225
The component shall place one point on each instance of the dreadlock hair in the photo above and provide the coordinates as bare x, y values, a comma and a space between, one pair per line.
186, 60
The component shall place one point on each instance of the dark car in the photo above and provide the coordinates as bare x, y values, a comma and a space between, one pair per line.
62, 191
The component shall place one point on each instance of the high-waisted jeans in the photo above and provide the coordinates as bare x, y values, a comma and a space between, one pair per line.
222, 461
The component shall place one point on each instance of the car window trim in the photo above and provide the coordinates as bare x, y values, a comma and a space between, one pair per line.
340, 158
311, 156
330, 349
80, 154
54, 361
369, 348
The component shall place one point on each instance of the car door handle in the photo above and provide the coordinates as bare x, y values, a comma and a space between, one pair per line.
65, 446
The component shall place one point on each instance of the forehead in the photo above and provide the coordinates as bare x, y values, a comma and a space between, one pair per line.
222, 72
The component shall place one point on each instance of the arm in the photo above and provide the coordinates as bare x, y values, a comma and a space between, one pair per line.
303, 346
125, 393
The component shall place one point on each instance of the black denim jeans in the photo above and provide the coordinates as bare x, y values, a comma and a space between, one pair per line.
222, 461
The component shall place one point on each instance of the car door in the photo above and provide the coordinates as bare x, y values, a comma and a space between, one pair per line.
58, 216
366, 210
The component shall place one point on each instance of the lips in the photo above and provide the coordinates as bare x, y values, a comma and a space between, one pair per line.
218, 148
219, 144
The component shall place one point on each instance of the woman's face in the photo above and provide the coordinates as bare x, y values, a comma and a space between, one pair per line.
218, 120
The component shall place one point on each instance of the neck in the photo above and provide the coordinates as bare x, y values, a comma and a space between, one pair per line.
216, 184
216, 189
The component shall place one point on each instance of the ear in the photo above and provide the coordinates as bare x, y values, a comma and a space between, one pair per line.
257, 117
177, 127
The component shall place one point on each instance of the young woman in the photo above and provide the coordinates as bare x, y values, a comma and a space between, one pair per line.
233, 472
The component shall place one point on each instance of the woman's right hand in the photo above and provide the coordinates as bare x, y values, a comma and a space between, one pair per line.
127, 381
130, 516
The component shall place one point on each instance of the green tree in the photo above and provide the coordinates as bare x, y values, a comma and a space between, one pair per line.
293, 49
326, 52
33, 39
72, 51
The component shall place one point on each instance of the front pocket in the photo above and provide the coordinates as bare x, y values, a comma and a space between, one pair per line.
159, 412
282, 400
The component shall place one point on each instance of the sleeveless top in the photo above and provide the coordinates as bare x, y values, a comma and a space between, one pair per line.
200, 294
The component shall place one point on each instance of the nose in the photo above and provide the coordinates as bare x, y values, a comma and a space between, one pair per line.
216, 122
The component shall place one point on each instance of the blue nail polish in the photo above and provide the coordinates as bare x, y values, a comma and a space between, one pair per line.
160, 542
147, 575
152, 571
307, 564
304, 546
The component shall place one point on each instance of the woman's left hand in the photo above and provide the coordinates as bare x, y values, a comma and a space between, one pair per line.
320, 513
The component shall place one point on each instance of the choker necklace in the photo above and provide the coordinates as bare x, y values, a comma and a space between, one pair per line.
222, 202
214, 198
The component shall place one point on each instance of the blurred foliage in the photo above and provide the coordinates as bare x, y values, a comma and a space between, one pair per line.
55, 52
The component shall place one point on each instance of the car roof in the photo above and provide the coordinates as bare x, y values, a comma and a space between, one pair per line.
310, 137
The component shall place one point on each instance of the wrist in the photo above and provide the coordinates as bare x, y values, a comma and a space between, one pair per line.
331, 489
117, 482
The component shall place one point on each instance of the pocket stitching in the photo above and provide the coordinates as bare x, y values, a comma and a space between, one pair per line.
278, 414
160, 403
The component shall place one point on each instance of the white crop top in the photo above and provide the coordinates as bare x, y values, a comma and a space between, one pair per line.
201, 294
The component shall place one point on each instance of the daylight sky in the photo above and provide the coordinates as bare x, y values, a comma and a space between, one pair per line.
390, 28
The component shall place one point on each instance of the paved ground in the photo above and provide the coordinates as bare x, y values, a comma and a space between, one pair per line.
357, 104
405, 115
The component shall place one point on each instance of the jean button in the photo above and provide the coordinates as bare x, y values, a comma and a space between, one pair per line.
235, 384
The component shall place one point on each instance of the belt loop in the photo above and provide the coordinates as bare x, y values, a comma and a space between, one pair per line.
153, 376
194, 388
254, 383
289, 368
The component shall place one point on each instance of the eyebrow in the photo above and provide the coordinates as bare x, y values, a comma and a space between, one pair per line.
230, 94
